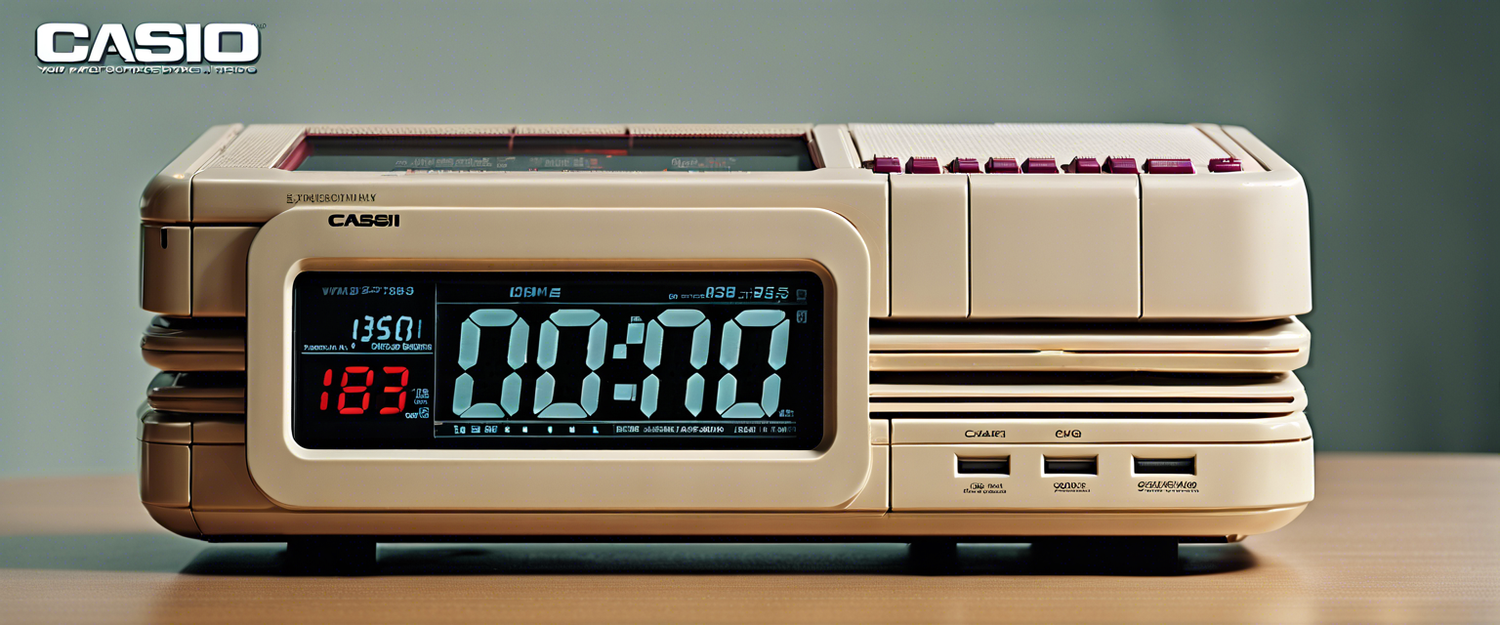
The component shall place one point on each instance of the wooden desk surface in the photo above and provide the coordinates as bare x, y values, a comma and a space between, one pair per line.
1394, 538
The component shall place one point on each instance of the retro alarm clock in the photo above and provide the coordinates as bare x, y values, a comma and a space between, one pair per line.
888, 332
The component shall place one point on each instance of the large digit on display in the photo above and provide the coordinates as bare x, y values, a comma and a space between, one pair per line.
398, 390
468, 355
358, 388
546, 356
676, 318
729, 356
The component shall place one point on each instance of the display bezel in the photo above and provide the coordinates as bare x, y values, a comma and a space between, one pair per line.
827, 477
645, 268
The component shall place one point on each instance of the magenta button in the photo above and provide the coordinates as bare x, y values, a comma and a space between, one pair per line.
1120, 165
1084, 165
1002, 166
1039, 166
1221, 165
886, 165
923, 165
964, 166
1169, 166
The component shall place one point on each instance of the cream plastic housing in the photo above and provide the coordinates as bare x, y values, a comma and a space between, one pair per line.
1206, 246
827, 478
194, 482
999, 304
1246, 252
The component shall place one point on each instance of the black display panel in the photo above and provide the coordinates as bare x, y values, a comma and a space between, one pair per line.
502, 153
558, 360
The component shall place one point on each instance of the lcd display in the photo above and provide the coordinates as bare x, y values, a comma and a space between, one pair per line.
503, 153
566, 360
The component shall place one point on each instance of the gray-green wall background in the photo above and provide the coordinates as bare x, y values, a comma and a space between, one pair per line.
1384, 107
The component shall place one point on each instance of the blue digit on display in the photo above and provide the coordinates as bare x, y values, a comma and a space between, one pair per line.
546, 356
729, 356
468, 356
676, 318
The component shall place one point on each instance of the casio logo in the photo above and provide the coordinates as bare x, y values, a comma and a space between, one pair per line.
365, 220
984, 433
155, 42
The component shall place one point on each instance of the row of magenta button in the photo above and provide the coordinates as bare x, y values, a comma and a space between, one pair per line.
1080, 165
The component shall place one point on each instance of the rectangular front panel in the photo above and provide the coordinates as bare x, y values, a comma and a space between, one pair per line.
166, 269
165, 474
929, 246
724, 247
1084, 476
1214, 251
219, 270
559, 360
221, 481
1047, 246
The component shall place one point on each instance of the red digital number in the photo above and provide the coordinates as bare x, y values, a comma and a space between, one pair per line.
327, 381
346, 406
401, 398
363, 390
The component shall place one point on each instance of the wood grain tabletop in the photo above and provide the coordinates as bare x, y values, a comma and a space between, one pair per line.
1391, 538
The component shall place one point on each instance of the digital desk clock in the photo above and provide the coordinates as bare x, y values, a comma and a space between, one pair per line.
877, 332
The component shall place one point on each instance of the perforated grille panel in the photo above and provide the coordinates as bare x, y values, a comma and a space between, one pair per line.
258, 147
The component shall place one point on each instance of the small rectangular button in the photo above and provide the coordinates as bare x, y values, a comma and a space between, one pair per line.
1173, 466
1169, 166
1084, 165
984, 466
1222, 165
923, 165
1002, 166
1120, 165
885, 165
964, 166
1039, 166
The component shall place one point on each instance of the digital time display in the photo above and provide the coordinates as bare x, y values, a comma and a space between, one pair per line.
556, 359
